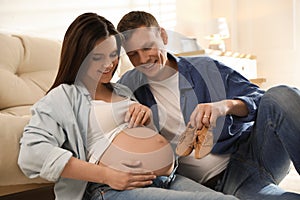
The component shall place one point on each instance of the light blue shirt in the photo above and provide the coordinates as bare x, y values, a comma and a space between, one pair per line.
56, 132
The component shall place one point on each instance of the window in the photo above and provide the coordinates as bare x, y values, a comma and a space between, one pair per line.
50, 18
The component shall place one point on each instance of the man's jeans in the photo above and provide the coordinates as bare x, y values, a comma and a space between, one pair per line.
262, 161
180, 189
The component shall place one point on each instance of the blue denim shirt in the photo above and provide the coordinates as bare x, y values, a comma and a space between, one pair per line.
57, 131
203, 80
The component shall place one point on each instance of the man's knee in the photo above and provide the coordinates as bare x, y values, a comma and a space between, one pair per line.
281, 94
281, 97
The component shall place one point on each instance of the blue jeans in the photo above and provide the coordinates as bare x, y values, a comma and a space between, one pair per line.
263, 160
180, 189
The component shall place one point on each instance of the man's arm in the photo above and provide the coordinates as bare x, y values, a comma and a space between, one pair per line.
206, 114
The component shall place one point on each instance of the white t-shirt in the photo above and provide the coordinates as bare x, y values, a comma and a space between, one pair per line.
167, 96
106, 120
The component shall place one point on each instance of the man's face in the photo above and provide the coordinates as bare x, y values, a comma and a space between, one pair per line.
145, 50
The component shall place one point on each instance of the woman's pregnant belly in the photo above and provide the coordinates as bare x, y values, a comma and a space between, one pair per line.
139, 148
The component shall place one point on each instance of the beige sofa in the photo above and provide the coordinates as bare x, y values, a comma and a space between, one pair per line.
28, 66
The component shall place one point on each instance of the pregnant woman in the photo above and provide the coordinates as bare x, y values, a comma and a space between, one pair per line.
89, 136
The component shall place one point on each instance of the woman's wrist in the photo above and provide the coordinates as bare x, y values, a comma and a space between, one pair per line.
101, 174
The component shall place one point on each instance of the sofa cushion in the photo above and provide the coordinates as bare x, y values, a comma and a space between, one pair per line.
28, 66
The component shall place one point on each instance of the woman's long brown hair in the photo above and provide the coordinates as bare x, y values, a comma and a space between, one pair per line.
80, 39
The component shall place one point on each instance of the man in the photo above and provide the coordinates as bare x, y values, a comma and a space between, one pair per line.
256, 133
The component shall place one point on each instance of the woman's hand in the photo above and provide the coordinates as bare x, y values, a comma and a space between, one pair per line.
206, 114
119, 180
134, 177
138, 115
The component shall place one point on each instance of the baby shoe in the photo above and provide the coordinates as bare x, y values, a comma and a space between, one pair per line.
192, 139
185, 144
203, 142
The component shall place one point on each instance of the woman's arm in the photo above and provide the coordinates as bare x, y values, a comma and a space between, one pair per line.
82, 170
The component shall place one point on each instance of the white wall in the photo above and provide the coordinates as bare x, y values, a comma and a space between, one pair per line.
273, 35
269, 29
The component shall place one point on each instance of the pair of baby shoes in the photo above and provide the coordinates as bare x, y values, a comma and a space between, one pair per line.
193, 139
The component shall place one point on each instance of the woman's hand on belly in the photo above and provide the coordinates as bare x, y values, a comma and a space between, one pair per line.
120, 180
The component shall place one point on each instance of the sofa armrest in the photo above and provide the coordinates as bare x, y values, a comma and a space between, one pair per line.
11, 131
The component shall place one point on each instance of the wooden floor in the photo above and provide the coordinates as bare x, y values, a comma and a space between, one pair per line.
44, 193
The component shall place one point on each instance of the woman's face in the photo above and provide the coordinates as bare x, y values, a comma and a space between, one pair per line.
103, 61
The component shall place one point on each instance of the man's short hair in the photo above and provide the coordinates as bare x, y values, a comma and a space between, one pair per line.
136, 19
